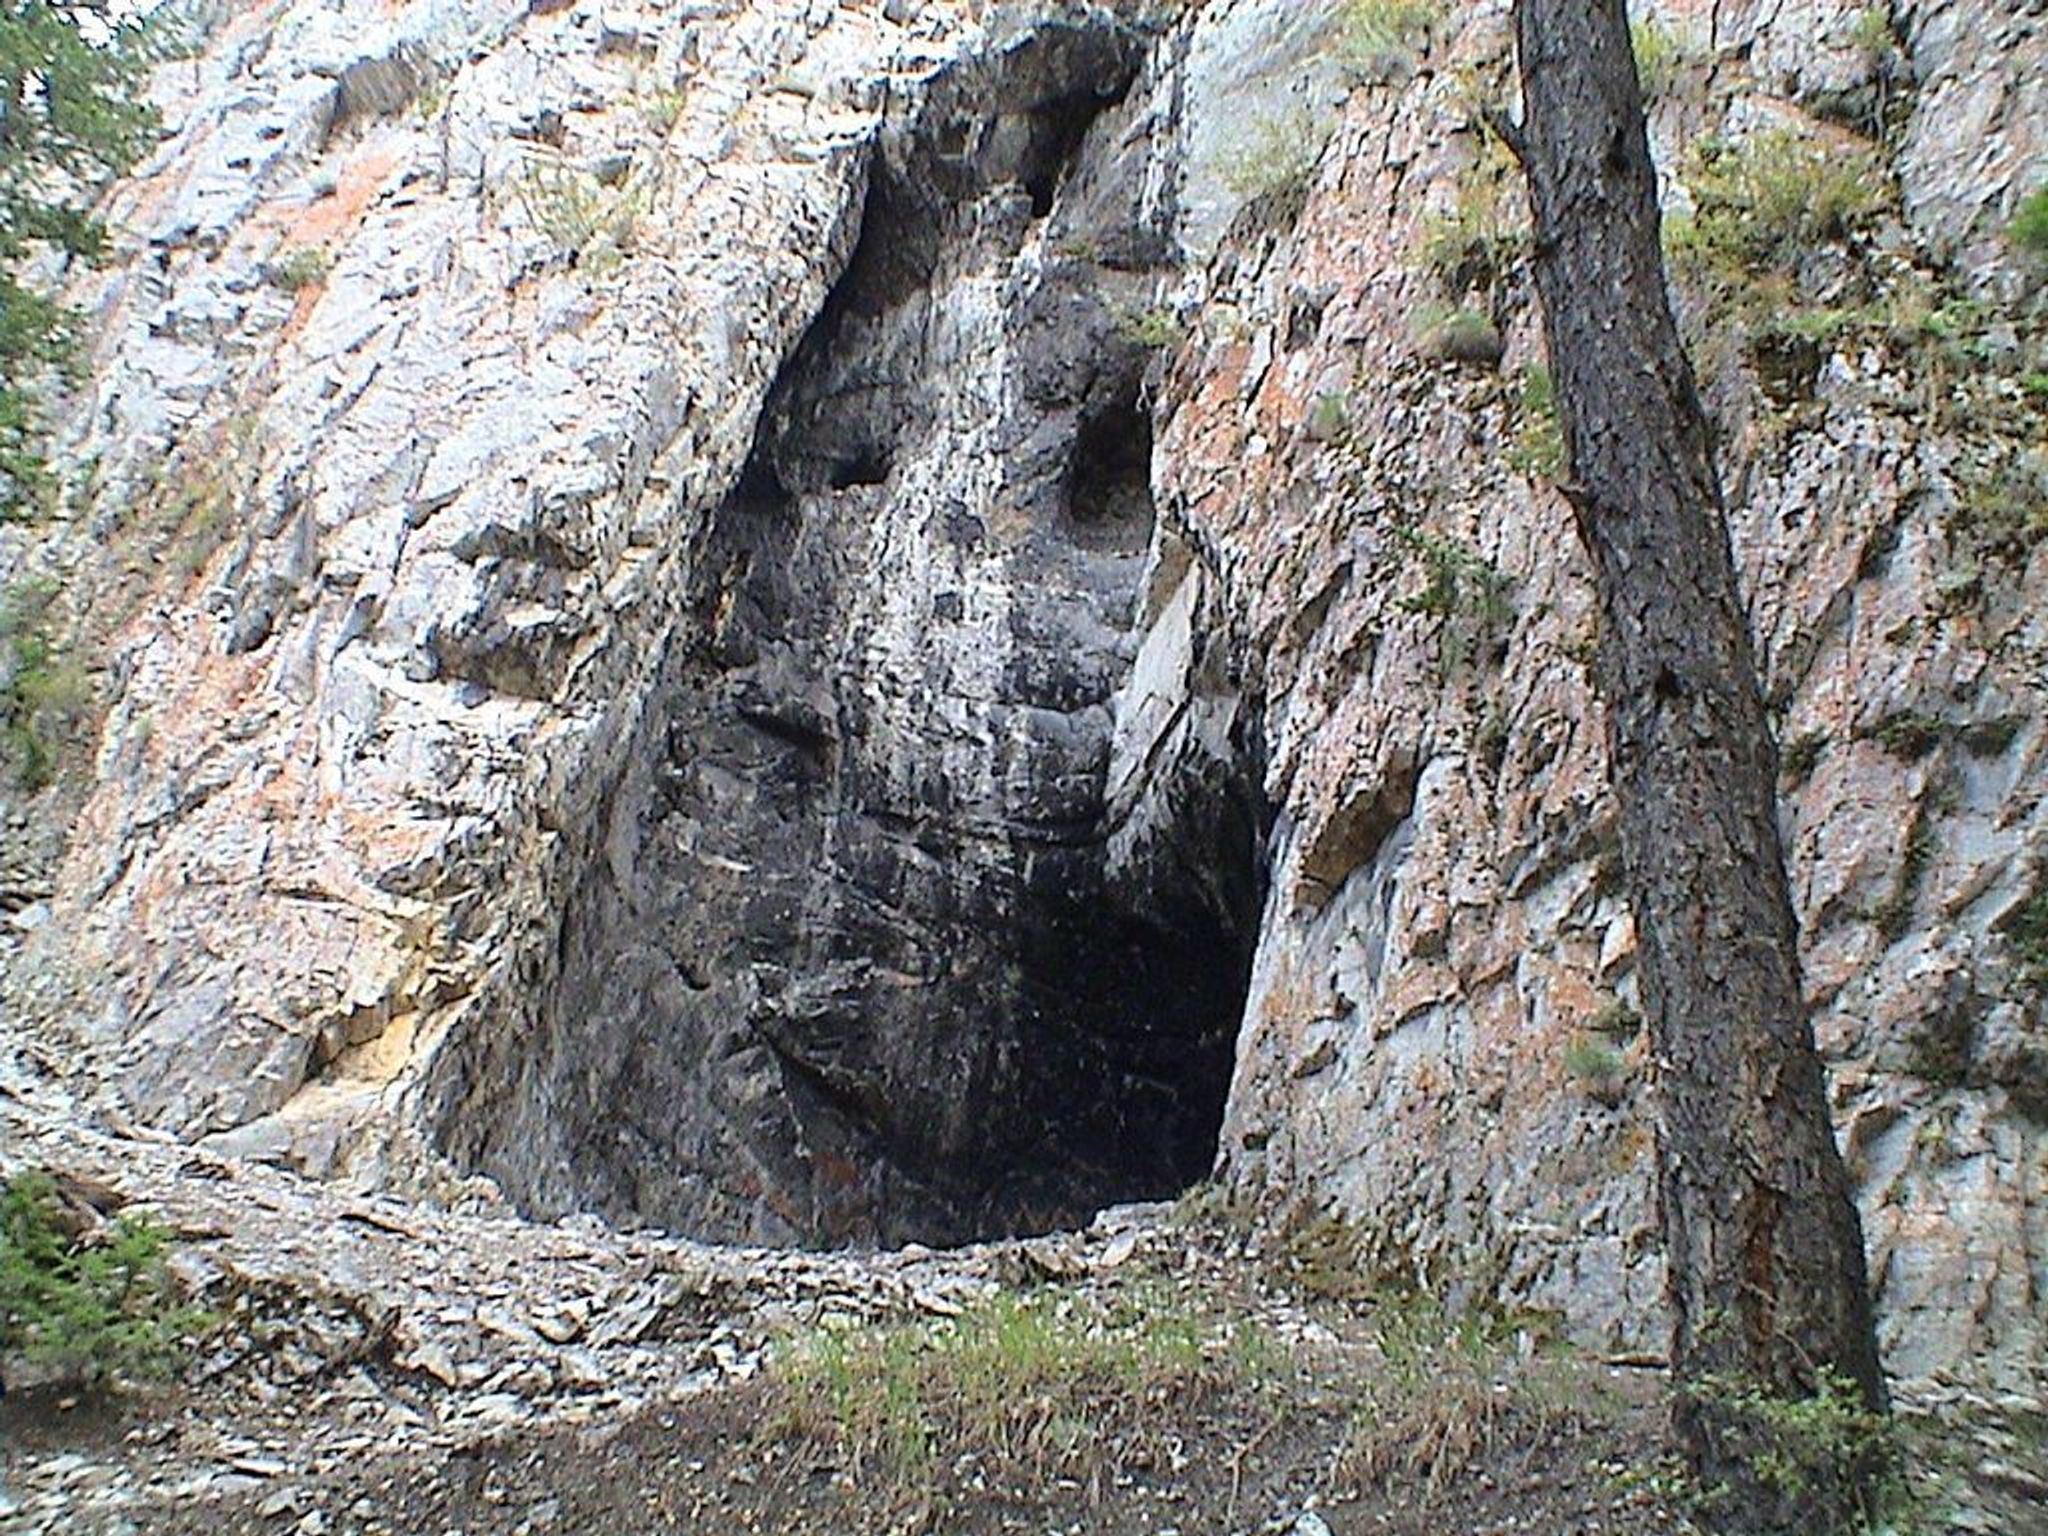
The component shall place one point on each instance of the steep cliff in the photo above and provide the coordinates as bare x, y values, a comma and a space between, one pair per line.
840, 623
1440, 1040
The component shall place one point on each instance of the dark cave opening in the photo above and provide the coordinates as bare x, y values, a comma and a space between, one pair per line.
1138, 998
859, 952
861, 469
1109, 493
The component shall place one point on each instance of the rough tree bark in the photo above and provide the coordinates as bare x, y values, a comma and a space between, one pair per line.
1767, 1287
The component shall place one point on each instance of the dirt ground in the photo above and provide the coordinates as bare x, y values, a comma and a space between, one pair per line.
720, 1463
381, 1369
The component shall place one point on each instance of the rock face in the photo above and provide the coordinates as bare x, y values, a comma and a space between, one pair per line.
828, 624
1441, 1042
844, 958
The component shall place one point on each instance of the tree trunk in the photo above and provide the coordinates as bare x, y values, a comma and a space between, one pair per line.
1767, 1289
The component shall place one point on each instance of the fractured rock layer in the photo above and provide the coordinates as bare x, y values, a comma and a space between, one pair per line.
666, 672
848, 960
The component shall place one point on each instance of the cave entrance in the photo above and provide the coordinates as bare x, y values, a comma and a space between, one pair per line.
857, 950
1135, 1001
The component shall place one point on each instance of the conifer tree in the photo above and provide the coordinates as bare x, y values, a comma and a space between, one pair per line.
1771, 1316
72, 116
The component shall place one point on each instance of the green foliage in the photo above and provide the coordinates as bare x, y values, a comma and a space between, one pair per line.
304, 267
2026, 930
1324, 1256
1156, 327
1462, 589
1909, 733
1991, 738
1277, 159
1457, 334
1660, 54
1826, 1455
1446, 1390
2029, 227
1801, 755
1032, 1383
35, 335
1471, 245
585, 219
432, 100
96, 1306
662, 108
72, 116
1871, 33
2003, 510
1538, 449
1329, 420
198, 512
1379, 38
1616, 1020
1761, 206
40, 690
1597, 1065
1895, 915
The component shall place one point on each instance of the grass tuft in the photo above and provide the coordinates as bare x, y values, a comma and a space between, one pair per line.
1032, 1385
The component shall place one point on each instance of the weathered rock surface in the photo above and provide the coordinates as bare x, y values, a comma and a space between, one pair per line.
712, 797
1443, 927
844, 959
651, 666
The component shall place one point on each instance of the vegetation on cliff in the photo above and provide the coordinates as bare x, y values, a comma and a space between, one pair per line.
1771, 1316
84, 1298
72, 116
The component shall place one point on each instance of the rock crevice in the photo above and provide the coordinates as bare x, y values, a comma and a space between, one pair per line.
849, 957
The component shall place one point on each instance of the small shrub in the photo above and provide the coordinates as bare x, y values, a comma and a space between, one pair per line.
1033, 1384
1877, 101
301, 268
1908, 734
1895, 915
1459, 335
1537, 452
662, 108
1325, 1256
2029, 227
201, 520
41, 691
1660, 54
431, 101
1377, 39
1801, 755
1471, 245
1491, 737
1991, 738
1278, 159
579, 214
1871, 34
1762, 205
98, 1306
1077, 246
2026, 930
1598, 1066
1828, 1461
1329, 420
2003, 510
1447, 1390
1762, 208
1463, 589
1156, 327
1616, 1020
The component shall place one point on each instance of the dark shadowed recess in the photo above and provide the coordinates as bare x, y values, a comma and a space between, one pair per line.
844, 956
